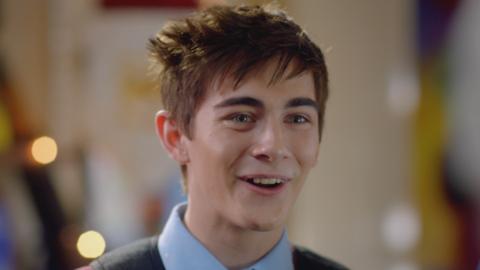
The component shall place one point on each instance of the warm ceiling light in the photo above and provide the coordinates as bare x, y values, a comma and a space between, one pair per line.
44, 150
91, 244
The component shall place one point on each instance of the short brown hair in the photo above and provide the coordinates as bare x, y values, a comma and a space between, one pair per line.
231, 41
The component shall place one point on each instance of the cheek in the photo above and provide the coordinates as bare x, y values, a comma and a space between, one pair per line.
306, 151
217, 152
230, 144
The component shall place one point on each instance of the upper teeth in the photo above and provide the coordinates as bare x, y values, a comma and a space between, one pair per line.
267, 181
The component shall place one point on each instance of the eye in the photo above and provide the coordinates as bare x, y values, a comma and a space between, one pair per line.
297, 119
242, 118
241, 121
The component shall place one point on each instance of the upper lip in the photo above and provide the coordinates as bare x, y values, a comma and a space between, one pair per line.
276, 176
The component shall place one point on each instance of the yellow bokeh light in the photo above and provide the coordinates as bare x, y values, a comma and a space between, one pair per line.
44, 150
91, 244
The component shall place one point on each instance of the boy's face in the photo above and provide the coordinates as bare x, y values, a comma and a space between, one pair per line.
252, 149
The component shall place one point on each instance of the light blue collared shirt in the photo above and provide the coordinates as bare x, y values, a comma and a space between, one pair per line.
180, 250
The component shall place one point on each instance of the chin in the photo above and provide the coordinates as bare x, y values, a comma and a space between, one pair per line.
263, 227
265, 223
261, 215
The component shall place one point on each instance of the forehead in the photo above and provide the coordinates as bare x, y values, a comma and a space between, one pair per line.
265, 80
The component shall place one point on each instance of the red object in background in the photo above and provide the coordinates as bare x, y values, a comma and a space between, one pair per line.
148, 3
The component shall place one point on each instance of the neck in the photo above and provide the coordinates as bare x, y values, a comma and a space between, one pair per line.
233, 246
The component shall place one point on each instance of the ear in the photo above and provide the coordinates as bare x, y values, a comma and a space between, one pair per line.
171, 137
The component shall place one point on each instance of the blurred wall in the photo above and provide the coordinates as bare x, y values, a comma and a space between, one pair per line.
24, 46
364, 168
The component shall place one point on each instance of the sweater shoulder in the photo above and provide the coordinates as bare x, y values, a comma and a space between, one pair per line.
142, 254
306, 259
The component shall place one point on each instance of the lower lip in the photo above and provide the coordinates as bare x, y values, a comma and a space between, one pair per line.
265, 191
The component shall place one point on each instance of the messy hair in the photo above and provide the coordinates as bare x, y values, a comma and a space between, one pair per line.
227, 41
190, 55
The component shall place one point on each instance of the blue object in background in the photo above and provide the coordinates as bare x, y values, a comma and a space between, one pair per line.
6, 245
172, 195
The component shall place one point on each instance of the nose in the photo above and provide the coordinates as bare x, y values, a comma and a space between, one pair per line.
270, 143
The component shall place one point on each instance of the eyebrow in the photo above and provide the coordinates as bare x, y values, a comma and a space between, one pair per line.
235, 101
253, 102
297, 102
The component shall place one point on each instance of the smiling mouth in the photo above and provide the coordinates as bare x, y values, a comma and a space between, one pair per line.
265, 182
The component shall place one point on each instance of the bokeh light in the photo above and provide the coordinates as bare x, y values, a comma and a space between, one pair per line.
401, 228
403, 93
91, 244
44, 150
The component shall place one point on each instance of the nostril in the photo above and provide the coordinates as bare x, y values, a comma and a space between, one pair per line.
264, 157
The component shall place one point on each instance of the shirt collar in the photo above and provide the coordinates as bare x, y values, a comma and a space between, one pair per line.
180, 250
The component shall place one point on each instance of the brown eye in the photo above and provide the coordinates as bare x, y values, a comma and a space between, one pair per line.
297, 119
242, 118
241, 121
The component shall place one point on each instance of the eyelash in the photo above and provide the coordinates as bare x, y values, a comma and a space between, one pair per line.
236, 118
292, 119
249, 118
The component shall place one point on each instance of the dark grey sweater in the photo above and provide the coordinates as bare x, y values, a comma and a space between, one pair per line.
144, 255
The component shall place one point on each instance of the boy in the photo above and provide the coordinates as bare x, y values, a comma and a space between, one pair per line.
244, 91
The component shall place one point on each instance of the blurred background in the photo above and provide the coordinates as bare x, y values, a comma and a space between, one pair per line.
397, 185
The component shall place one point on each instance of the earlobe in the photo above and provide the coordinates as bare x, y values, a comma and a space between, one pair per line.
171, 137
